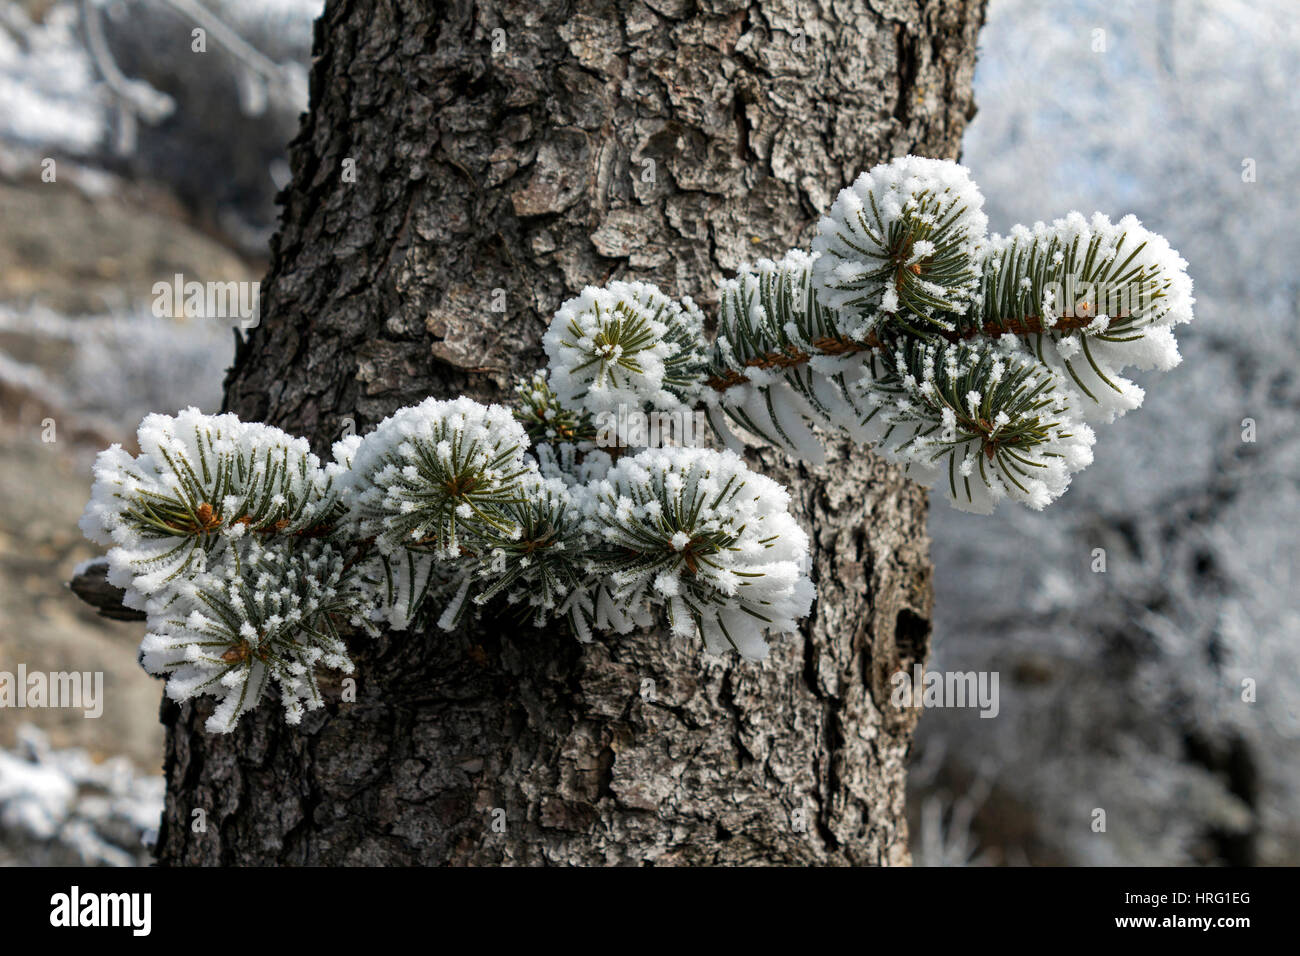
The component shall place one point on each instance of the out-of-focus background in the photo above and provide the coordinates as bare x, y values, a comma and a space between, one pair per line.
1120, 691
166, 159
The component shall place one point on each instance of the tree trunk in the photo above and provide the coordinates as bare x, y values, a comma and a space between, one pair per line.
535, 148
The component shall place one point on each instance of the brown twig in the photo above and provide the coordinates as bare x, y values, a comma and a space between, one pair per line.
841, 345
92, 586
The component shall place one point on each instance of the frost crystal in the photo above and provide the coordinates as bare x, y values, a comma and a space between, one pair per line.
904, 236
199, 483
431, 472
1108, 294
1016, 439
697, 532
626, 344
265, 619
541, 567
767, 315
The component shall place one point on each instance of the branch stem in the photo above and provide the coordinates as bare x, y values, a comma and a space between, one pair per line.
843, 345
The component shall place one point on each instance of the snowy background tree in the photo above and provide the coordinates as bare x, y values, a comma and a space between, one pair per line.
1124, 690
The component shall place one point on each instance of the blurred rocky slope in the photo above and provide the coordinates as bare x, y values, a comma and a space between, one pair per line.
197, 98
134, 200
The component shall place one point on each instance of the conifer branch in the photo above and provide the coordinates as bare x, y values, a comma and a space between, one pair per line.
972, 361
836, 346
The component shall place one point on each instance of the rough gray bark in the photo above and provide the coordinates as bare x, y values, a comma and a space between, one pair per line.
525, 169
